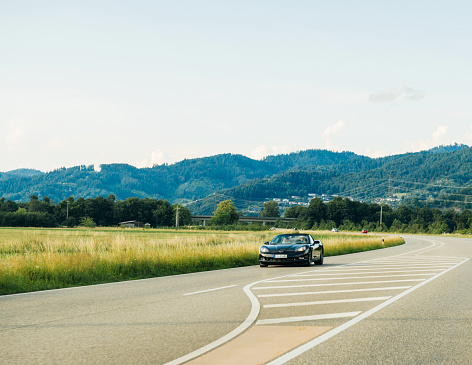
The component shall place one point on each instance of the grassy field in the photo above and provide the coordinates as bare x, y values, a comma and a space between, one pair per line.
40, 259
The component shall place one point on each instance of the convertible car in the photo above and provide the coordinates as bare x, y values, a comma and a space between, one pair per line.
294, 248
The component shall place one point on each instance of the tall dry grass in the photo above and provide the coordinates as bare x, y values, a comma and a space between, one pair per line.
39, 259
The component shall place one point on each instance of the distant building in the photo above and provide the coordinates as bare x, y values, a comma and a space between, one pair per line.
132, 224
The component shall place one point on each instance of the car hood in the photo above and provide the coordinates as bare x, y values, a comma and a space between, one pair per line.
284, 248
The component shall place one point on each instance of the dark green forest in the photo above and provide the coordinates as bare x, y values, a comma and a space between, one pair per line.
435, 179
342, 213
347, 215
90, 212
182, 182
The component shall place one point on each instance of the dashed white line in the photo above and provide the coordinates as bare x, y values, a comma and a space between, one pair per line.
208, 290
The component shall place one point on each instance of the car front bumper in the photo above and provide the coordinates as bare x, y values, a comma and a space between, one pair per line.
275, 259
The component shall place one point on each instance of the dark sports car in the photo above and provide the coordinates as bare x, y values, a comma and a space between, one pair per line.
291, 248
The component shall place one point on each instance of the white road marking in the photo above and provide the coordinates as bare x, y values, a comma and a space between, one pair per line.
208, 290
251, 318
336, 284
326, 336
420, 259
255, 309
334, 301
308, 318
333, 291
369, 267
358, 273
354, 277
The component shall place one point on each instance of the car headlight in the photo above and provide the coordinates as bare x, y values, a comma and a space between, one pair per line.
301, 249
264, 249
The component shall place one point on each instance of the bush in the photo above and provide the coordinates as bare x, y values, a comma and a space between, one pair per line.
87, 222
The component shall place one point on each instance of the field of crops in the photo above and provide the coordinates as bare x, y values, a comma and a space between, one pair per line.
39, 259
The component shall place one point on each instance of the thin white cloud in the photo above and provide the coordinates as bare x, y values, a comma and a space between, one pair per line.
376, 154
439, 137
330, 132
334, 129
439, 134
157, 157
260, 152
399, 93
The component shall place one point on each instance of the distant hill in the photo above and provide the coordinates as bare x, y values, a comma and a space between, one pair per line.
203, 182
184, 181
449, 148
438, 177
19, 173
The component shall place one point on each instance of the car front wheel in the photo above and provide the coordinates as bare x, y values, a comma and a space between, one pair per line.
309, 260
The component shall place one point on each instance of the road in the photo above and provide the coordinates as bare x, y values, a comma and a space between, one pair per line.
410, 304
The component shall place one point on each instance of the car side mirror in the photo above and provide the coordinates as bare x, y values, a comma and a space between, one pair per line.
266, 243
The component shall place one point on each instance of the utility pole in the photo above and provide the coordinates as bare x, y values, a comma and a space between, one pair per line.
177, 217
67, 209
381, 208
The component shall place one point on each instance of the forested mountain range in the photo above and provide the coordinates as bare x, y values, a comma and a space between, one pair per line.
426, 176
437, 178
186, 180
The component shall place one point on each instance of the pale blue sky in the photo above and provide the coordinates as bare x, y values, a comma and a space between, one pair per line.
143, 82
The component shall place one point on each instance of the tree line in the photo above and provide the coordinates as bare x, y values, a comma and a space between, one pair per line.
340, 213
349, 215
99, 211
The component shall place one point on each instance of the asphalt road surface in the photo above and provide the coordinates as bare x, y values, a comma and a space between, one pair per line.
410, 304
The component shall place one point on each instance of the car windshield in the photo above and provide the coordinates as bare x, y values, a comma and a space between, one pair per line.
285, 239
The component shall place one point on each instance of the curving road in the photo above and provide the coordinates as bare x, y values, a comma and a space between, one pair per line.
404, 305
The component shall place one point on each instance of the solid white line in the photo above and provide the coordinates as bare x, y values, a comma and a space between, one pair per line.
208, 290
336, 284
353, 277
335, 301
308, 318
422, 250
255, 308
432, 248
326, 336
333, 291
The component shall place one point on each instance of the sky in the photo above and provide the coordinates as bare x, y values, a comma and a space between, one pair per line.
153, 82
